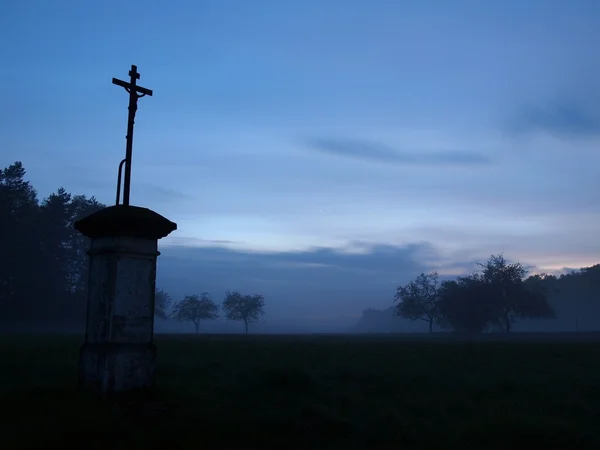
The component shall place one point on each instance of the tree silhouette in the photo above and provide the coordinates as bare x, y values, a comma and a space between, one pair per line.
494, 297
418, 300
194, 308
246, 308
162, 302
43, 263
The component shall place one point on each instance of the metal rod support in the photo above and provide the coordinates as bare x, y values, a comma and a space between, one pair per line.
119, 180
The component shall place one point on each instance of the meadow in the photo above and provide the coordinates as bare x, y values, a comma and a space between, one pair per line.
313, 392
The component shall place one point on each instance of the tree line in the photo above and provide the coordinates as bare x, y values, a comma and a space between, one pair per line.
493, 297
43, 264
196, 308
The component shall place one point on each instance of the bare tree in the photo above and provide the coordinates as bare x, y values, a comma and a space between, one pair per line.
162, 302
246, 308
194, 308
418, 300
513, 298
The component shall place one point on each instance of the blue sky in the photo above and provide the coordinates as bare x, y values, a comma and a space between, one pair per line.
467, 127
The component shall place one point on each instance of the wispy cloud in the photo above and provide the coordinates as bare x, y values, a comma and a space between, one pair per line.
189, 241
374, 151
161, 193
561, 118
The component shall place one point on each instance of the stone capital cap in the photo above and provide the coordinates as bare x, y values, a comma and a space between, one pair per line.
129, 221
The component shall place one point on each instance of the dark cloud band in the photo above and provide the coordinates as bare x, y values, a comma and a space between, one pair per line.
359, 149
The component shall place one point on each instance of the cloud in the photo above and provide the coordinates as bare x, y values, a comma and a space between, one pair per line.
562, 118
190, 241
360, 149
105, 181
161, 193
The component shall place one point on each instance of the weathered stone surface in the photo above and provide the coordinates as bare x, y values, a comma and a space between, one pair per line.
121, 290
119, 354
116, 368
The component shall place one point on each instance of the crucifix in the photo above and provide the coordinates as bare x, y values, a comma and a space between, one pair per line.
135, 92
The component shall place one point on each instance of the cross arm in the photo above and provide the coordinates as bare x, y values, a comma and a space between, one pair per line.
140, 89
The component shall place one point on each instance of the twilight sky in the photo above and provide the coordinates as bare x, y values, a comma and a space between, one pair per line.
439, 131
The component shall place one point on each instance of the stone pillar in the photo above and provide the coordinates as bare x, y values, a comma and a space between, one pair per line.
119, 354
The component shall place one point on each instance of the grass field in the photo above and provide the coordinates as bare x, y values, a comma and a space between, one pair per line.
312, 392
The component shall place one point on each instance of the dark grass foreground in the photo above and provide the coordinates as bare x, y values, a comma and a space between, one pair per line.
339, 392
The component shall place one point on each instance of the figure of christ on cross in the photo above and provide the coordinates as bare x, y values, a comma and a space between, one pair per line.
135, 92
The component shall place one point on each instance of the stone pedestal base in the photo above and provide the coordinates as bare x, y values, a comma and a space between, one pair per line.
114, 368
119, 356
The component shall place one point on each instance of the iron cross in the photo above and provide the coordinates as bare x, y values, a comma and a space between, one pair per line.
135, 92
